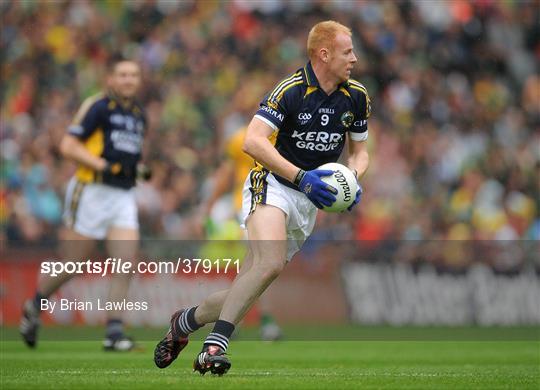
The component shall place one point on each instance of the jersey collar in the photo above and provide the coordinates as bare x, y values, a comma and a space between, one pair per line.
309, 76
311, 79
124, 102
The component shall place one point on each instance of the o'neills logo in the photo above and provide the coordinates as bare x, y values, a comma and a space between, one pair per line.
342, 181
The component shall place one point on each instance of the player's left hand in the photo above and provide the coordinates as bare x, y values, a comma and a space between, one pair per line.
358, 197
144, 172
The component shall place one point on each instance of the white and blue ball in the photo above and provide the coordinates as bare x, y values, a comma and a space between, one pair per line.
344, 181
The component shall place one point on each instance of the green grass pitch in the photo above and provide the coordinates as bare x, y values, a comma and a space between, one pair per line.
507, 363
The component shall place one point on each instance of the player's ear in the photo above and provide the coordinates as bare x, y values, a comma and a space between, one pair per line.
324, 54
109, 80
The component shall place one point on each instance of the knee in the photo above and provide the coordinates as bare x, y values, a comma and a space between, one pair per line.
271, 269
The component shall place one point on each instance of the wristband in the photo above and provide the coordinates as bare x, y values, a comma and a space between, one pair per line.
299, 176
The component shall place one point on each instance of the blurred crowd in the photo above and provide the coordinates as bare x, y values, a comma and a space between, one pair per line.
454, 132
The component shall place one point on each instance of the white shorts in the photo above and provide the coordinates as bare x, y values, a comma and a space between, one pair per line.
263, 188
91, 208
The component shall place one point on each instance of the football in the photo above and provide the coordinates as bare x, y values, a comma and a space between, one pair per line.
344, 181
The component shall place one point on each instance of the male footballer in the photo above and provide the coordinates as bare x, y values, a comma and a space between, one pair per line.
105, 140
312, 112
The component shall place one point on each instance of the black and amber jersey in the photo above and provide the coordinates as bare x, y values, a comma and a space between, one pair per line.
311, 126
114, 131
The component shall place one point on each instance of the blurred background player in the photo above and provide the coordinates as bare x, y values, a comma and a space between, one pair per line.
231, 175
105, 140
313, 112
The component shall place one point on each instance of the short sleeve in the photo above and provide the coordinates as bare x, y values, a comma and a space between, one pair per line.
276, 105
359, 128
87, 120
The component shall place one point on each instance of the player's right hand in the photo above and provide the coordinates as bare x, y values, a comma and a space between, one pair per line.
320, 193
113, 168
117, 168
